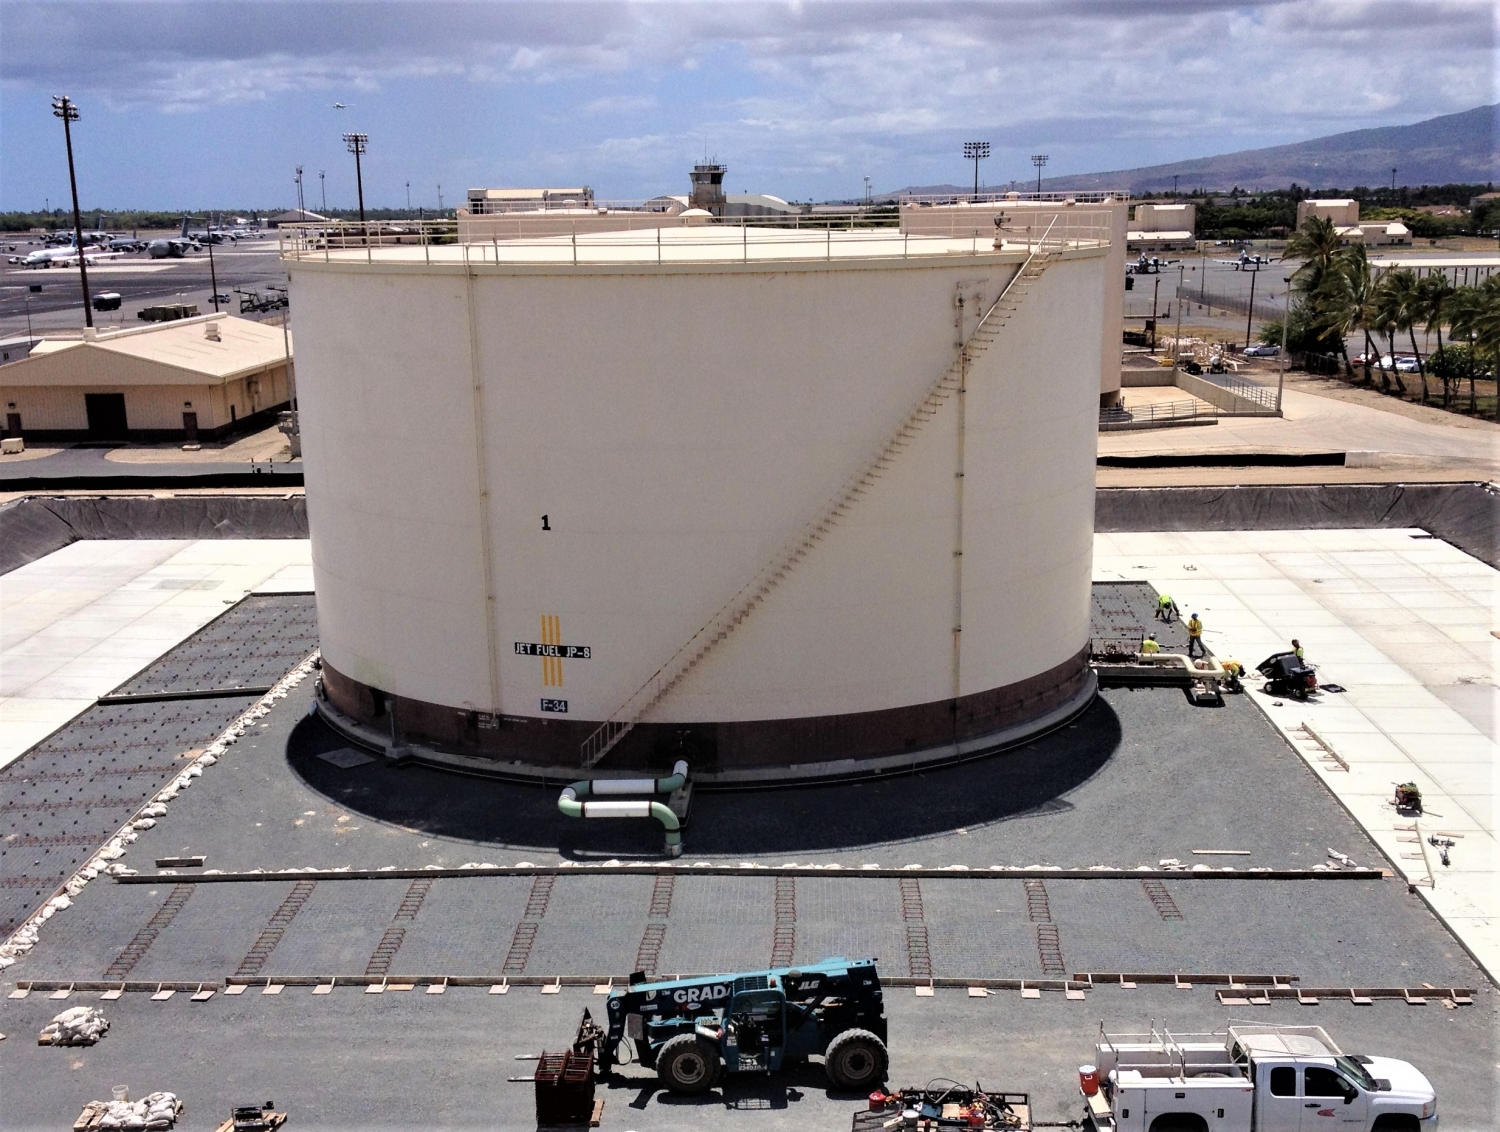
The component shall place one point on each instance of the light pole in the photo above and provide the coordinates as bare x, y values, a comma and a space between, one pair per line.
323, 188
301, 208
208, 238
440, 198
1039, 159
1393, 180
976, 152
408, 196
62, 107
356, 144
868, 199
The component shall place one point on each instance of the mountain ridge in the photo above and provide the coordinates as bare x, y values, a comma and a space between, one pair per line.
1461, 148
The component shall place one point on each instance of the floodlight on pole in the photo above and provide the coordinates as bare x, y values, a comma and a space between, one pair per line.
301, 208
323, 188
1039, 159
976, 151
63, 107
357, 144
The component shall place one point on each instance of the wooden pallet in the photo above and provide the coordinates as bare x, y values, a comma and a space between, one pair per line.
594, 1118
88, 1119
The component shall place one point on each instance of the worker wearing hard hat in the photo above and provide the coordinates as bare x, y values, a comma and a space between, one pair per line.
1149, 645
1165, 608
1195, 637
1297, 649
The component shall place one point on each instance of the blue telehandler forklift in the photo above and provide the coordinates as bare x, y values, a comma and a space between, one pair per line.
692, 1030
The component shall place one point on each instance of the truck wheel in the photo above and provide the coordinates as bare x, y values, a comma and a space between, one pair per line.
856, 1060
686, 1065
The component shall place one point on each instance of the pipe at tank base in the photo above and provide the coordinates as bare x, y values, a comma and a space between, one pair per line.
572, 801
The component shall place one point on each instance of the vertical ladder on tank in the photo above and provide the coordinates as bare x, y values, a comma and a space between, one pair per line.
622, 721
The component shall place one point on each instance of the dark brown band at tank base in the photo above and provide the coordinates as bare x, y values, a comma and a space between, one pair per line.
747, 752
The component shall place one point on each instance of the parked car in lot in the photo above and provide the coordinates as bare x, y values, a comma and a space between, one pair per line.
1262, 350
1407, 363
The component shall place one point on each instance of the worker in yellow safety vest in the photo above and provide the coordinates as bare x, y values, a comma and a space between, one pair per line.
1165, 608
1195, 637
1233, 670
1297, 650
1149, 645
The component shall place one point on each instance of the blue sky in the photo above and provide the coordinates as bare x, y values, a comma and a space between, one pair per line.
213, 104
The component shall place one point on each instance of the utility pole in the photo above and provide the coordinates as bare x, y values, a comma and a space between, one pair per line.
1155, 291
356, 144
1039, 159
1174, 183
1177, 342
1250, 314
976, 151
62, 107
208, 238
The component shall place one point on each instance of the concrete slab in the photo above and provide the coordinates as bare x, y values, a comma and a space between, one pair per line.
76, 623
1419, 707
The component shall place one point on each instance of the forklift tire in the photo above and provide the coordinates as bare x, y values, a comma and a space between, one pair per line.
856, 1060
687, 1065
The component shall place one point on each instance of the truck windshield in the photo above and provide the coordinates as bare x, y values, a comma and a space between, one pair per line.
1357, 1072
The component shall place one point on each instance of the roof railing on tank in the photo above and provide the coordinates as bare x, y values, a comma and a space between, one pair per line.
620, 722
1082, 196
714, 241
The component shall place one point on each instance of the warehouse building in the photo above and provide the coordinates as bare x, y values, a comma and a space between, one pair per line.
192, 379
1162, 228
795, 503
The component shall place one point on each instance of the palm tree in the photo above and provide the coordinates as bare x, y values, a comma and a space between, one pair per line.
1353, 265
1403, 294
1433, 293
1474, 316
1316, 244
1388, 314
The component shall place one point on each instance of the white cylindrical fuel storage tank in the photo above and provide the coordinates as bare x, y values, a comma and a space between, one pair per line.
788, 503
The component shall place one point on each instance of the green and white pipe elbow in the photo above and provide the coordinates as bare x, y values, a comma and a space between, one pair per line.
579, 801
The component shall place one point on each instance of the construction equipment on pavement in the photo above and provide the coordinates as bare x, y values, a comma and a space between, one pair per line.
692, 1030
1287, 675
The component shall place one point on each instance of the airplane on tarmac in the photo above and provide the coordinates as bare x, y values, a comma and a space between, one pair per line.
64, 257
174, 247
1149, 265
1248, 262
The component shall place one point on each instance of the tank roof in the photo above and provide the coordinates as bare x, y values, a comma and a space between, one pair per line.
702, 243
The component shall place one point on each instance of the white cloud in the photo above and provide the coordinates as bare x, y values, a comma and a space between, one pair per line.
809, 86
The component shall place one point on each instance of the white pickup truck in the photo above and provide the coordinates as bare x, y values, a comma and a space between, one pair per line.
1252, 1078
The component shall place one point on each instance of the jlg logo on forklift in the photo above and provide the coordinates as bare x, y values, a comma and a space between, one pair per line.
687, 996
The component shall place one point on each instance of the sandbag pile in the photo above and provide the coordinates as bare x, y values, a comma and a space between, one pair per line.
156, 1110
80, 1026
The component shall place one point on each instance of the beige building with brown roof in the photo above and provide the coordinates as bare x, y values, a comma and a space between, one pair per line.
193, 379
